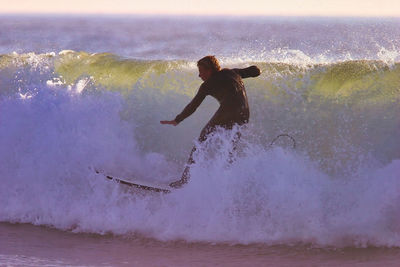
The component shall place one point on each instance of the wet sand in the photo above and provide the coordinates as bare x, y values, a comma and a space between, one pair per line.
28, 245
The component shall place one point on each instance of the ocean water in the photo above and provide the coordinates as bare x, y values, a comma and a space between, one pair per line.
82, 93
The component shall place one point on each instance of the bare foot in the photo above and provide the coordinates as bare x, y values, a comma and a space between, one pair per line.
177, 184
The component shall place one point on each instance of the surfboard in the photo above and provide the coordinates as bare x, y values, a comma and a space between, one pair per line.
139, 185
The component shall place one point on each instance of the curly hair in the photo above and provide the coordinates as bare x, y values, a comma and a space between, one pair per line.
209, 62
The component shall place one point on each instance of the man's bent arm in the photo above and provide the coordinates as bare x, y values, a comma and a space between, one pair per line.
192, 106
252, 71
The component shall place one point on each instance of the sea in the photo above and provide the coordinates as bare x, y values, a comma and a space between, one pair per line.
314, 181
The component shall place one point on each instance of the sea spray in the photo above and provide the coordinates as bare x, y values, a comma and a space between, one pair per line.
63, 115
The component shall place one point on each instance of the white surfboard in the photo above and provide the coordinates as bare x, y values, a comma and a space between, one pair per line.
160, 188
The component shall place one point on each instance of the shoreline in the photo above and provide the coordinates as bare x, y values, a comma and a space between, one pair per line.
28, 244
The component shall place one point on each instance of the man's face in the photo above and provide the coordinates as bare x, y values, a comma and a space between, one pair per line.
204, 73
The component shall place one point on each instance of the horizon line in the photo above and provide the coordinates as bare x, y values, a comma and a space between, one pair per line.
197, 15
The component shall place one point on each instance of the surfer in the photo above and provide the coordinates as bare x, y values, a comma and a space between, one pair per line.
227, 87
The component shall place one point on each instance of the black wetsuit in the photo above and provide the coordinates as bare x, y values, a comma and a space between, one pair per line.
227, 87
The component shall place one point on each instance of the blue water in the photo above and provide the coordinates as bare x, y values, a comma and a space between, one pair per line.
193, 37
88, 92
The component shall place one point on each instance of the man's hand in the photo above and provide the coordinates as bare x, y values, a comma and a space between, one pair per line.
173, 122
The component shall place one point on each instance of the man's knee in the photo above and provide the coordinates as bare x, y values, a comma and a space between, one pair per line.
207, 130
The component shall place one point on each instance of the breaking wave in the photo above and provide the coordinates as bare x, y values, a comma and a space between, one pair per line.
63, 114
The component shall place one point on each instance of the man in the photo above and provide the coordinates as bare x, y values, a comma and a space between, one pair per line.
227, 87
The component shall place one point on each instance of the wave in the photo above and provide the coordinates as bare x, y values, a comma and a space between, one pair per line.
63, 113
342, 80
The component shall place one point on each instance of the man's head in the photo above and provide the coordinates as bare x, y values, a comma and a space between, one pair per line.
207, 66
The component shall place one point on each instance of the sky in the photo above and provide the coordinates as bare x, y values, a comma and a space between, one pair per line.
364, 8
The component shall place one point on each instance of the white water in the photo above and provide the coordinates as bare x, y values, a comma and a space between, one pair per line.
272, 196
61, 115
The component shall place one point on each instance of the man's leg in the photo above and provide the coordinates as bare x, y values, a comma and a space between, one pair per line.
186, 172
209, 128
234, 145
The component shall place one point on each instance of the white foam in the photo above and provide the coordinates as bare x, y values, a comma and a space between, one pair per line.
273, 196
50, 141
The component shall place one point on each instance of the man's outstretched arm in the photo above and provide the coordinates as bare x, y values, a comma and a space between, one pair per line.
252, 71
189, 109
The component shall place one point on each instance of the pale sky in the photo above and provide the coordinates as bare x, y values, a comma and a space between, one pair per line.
208, 7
